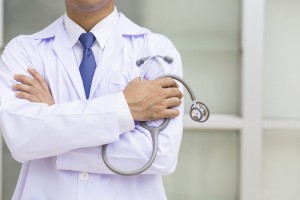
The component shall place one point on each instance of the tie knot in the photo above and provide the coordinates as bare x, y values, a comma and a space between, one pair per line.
87, 40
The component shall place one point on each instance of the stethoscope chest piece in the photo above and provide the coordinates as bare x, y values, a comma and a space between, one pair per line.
199, 112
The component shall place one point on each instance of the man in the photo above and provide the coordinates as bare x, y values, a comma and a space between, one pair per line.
59, 113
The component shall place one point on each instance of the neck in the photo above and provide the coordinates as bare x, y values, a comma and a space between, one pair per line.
87, 19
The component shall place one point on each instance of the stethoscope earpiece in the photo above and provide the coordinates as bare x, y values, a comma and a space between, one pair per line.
168, 59
141, 61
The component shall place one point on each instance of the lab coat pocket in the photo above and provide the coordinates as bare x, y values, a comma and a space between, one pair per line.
117, 82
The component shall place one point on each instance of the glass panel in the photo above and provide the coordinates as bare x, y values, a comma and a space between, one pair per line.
207, 167
282, 62
281, 174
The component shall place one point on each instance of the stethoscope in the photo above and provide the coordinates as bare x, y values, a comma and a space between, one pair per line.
198, 112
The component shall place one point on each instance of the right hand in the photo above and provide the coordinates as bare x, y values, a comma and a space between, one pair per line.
153, 99
33, 89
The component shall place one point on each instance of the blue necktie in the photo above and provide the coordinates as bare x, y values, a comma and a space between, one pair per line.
88, 63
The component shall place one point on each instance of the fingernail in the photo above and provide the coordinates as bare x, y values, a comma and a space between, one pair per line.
30, 68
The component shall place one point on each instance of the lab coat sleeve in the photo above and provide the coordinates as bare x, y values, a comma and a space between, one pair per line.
36, 130
134, 148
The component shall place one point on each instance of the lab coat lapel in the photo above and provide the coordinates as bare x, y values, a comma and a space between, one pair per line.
110, 53
66, 55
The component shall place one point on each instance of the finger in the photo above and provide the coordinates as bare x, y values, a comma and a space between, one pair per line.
170, 113
38, 77
26, 96
35, 93
25, 88
166, 82
35, 87
173, 92
172, 102
24, 79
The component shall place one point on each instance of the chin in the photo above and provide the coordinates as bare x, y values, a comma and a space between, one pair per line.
89, 5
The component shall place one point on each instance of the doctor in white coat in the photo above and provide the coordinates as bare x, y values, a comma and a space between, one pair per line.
56, 132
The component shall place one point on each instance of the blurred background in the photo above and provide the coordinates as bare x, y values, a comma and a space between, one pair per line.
242, 58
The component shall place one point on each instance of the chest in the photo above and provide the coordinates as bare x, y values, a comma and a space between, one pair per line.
112, 74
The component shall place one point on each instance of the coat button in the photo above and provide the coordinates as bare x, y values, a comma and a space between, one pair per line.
84, 176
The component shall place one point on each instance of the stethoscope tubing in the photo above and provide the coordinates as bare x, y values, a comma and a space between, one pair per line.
154, 131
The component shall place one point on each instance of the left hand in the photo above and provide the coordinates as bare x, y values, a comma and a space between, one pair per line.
33, 89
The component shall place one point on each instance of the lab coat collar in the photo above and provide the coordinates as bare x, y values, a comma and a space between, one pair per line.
125, 27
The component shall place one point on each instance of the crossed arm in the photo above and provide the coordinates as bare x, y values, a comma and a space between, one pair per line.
147, 100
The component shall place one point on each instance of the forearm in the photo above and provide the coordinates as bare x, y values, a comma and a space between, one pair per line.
34, 130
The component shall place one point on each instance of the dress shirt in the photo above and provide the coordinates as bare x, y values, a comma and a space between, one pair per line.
102, 30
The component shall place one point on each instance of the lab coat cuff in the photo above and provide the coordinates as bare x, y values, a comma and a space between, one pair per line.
126, 121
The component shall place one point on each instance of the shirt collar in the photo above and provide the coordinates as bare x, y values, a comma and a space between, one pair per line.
101, 30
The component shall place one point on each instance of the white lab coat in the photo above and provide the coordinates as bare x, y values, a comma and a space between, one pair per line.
57, 143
